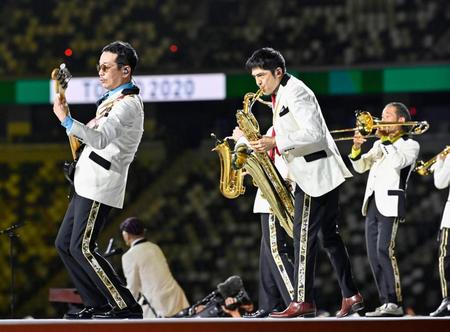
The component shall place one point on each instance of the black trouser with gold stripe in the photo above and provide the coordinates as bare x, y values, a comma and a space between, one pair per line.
76, 243
275, 266
314, 214
380, 241
444, 261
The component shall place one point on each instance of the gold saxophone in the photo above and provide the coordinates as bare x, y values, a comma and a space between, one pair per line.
257, 164
231, 180
424, 168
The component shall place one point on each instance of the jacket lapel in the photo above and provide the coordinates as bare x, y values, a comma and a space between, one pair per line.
280, 95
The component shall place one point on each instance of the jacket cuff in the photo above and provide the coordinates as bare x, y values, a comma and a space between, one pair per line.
355, 154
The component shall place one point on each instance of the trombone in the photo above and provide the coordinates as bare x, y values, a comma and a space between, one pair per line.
366, 123
424, 167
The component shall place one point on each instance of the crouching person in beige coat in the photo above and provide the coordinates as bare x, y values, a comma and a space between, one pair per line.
148, 274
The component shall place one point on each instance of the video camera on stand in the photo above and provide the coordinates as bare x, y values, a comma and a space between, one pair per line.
211, 304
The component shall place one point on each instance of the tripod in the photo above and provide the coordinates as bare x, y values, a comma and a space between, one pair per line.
10, 232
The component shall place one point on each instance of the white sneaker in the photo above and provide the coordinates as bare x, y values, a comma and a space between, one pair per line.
387, 310
376, 313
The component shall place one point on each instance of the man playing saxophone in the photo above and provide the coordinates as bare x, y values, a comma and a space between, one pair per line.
275, 289
390, 161
313, 160
441, 181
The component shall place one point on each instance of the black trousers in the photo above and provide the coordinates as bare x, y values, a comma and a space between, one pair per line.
444, 261
76, 243
275, 266
380, 241
314, 214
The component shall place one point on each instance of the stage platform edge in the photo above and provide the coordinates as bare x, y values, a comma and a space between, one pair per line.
404, 324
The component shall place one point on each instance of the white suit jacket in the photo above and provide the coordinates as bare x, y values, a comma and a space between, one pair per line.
304, 141
390, 166
441, 181
102, 169
147, 273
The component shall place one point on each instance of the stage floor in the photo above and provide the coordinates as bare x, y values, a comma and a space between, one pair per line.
360, 324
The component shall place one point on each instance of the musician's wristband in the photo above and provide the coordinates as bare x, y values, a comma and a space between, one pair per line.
355, 153
67, 123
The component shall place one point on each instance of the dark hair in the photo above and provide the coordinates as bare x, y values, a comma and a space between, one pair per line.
133, 226
266, 58
401, 110
126, 54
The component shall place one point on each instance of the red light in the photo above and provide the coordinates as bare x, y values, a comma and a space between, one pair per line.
173, 48
412, 111
68, 52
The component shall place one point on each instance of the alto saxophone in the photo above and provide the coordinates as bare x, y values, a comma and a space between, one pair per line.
424, 167
258, 165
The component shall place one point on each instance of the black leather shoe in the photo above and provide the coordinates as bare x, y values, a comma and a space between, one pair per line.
134, 312
261, 313
85, 313
442, 311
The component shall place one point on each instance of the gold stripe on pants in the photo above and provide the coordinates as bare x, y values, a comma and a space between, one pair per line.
303, 248
442, 254
398, 289
276, 256
93, 262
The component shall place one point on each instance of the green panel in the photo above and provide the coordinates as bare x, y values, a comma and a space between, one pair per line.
372, 81
33, 91
239, 84
7, 92
318, 82
345, 82
432, 78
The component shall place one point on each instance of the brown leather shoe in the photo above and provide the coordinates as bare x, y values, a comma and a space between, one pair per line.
350, 305
296, 309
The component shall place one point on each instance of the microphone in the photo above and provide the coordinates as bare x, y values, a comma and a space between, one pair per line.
110, 244
110, 251
231, 286
115, 251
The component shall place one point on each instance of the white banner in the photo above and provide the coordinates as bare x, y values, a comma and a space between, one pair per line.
160, 88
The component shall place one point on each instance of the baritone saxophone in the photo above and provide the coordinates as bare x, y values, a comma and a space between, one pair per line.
261, 168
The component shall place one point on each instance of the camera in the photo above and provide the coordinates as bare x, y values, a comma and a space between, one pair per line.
211, 304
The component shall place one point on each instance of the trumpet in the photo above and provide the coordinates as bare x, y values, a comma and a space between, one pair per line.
424, 167
366, 123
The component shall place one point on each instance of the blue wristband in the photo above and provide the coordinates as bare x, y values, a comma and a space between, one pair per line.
67, 123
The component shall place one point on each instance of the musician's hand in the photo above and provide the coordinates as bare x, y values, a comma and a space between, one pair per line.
290, 184
60, 107
358, 140
264, 144
237, 133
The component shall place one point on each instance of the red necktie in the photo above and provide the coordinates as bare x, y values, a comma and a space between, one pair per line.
274, 150
274, 99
